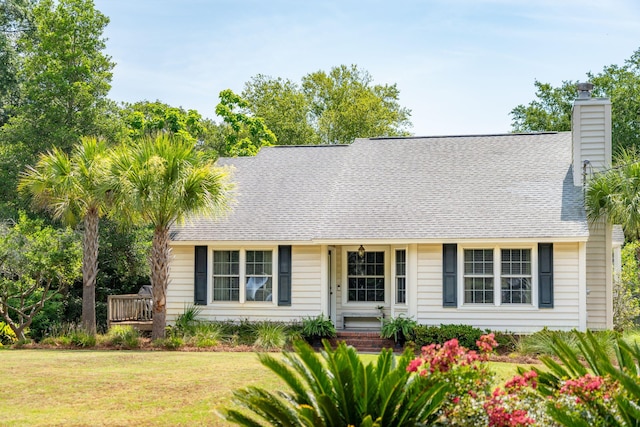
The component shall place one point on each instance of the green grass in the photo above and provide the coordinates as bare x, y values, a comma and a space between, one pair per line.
142, 388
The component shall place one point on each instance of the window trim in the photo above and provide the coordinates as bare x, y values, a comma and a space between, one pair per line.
345, 276
497, 276
243, 276
394, 275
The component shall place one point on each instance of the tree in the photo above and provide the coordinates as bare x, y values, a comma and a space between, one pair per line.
36, 263
15, 22
73, 189
613, 194
345, 105
246, 133
328, 108
149, 118
160, 181
66, 74
551, 111
283, 107
64, 79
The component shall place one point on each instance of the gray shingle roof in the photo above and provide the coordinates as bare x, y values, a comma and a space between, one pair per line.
477, 187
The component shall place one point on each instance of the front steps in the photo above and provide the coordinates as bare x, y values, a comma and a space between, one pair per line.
364, 342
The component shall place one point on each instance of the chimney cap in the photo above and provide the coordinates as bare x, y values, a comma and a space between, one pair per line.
584, 90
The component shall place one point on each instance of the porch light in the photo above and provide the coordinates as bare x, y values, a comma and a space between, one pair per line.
361, 251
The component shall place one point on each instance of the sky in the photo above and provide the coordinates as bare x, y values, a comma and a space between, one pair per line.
461, 65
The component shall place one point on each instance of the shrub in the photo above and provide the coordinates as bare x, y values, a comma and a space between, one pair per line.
543, 342
465, 334
7, 336
399, 328
316, 328
206, 334
187, 321
270, 335
123, 336
335, 388
81, 338
169, 343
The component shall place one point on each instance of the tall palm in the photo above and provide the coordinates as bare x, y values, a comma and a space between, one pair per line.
72, 189
615, 195
160, 181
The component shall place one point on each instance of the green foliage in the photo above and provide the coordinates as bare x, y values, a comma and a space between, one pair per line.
315, 328
83, 339
187, 321
159, 182
7, 336
627, 309
551, 111
543, 342
270, 335
36, 263
169, 343
150, 118
246, 133
335, 388
399, 328
327, 108
123, 336
610, 391
465, 334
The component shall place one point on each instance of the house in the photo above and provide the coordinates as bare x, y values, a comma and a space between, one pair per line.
486, 230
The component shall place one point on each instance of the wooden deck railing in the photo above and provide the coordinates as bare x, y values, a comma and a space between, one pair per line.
130, 309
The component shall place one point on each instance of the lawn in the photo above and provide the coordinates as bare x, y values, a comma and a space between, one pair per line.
116, 388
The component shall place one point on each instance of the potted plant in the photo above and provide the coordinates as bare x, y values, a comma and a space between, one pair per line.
398, 328
314, 329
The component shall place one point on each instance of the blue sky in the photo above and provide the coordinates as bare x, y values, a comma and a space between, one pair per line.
460, 65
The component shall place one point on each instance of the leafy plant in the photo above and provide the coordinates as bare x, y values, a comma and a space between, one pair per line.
187, 321
123, 336
315, 328
169, 343
398, 328
543, 342
7, 336
608, 392
335, 388
465, 334
270, 335
206, 334
82, 338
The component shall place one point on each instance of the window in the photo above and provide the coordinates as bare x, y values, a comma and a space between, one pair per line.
401, 276
259, 267
365, 277
478, 276
516, 276
226, 275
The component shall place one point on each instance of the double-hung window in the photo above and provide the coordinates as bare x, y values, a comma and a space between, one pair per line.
506, 281
226, 275
242, 272
478, 276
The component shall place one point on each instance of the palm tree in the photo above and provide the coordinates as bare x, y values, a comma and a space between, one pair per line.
615, 195
159, 181
72, 189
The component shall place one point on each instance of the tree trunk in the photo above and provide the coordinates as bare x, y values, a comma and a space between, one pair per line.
89, 270
160, 253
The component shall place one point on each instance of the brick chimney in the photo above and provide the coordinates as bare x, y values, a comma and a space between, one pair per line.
591, 133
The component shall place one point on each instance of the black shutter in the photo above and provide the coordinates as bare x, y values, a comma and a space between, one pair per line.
200, 280
450, 275
545, 275
284, 275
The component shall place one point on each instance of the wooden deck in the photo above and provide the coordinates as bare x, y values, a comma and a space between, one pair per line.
133, 309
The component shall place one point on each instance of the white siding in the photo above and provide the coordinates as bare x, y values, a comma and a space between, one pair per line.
564, 315
305, 294
599, 312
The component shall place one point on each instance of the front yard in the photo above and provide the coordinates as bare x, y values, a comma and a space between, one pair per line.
143, 388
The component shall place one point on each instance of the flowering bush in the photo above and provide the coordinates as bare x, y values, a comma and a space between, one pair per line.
467, 374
